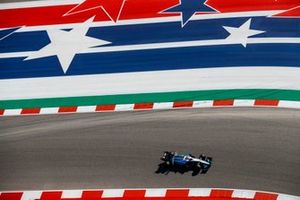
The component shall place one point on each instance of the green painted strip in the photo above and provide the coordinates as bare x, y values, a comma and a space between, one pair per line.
274, 94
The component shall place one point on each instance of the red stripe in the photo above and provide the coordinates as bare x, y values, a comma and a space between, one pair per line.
252, 5
67, 109
26, 111
2, 111
112, 9
266, 102
105, 107
45, 16
265, 196
295, 12
11, 196
177, 193
221, 193
228, 102
183, 104
138, 106
134, 193
91, 195
133, 9
51, 196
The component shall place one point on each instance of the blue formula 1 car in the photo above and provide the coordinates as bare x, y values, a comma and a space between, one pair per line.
176, 162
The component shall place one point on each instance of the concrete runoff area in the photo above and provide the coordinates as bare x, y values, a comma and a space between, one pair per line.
13, 1
256, 148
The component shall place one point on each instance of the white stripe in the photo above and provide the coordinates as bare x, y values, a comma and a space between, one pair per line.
243, 103
149, 82
287, 197
164, 105
83, 109
152, 20
200, 104
124, 107
49, 110
199, 192
249, 194
15, 55
31, 195
155, 193
167, 45
196, 43
12, 112
71, 194
289, 104
113, 193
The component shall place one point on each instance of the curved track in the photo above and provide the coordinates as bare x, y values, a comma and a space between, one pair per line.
256, 149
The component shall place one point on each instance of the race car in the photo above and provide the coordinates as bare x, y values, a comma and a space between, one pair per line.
186, 162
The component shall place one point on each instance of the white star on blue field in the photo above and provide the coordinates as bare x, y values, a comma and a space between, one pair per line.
188, 8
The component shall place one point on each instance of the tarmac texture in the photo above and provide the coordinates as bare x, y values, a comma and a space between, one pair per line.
256, 148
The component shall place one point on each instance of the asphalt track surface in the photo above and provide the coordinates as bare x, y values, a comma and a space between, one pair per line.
254, 148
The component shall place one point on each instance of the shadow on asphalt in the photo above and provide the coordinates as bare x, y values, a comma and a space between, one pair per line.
165, 169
